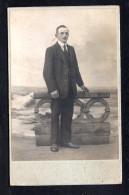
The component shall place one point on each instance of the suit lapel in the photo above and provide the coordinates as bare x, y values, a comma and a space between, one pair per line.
60, 52
70, 53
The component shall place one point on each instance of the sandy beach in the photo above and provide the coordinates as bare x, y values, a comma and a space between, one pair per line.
25, 149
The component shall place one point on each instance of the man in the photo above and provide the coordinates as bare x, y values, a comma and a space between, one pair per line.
61, 74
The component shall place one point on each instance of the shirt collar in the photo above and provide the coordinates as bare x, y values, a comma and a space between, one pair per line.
62, 44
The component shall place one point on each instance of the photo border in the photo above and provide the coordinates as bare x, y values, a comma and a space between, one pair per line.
75, 172
4, 135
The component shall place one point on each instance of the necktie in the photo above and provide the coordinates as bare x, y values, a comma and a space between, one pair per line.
66, 53
65, 48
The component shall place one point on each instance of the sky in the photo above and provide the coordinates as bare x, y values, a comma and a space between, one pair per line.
93, 34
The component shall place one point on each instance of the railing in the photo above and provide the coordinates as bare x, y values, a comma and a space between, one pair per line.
92, 130
84, 107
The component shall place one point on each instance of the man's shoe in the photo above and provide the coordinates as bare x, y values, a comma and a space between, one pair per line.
70, 145
54, 148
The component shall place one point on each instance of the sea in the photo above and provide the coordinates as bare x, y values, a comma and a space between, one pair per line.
22, 110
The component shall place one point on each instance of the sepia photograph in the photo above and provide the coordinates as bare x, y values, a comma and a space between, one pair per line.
65, 95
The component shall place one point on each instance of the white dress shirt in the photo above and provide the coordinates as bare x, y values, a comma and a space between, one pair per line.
62, 45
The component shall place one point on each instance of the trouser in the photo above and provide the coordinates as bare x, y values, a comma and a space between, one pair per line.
61, 108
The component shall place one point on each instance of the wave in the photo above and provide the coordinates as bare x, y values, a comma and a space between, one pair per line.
23, 101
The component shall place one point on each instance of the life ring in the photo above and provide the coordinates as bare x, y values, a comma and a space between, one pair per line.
80, 104
90, 103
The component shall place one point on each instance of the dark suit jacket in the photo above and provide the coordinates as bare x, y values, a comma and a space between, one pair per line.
56, 70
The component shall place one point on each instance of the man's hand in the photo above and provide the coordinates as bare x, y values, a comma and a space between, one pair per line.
55, 94
84, 88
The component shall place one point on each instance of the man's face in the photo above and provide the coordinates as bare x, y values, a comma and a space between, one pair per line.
62, 34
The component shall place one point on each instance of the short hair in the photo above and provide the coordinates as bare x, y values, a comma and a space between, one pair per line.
61, 26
